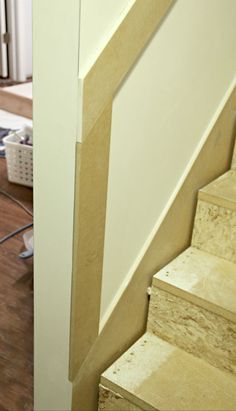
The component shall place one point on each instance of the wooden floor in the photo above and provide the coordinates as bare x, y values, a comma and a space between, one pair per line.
16, 304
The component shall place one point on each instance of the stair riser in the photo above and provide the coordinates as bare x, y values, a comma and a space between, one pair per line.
110, 401
194, 329
215, 230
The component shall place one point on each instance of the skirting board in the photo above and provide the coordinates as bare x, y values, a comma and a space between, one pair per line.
128, 320
16, 104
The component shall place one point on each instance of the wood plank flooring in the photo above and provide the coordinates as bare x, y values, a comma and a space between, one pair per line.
16, 303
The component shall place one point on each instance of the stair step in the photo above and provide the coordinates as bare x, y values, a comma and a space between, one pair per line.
154, 375
222, 191
193, 306
110, 400
203, 279
215, 222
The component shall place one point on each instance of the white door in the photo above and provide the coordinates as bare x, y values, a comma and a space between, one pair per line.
19, 25
3, 40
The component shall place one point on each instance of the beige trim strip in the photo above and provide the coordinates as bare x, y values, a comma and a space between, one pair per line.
91, 192
216, 200
100, 86
128, 320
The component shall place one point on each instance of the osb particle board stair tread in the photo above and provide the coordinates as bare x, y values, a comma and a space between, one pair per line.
222, 191
154, 374
203, 279
109, 400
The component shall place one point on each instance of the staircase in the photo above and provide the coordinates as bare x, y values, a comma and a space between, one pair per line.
186, 360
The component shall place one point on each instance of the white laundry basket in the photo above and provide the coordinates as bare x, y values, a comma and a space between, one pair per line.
19, 157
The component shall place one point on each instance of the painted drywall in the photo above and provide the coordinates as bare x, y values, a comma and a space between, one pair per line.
99, 20
56, 46
159, 116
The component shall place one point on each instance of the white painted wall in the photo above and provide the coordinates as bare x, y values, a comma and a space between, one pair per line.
159, 117
99, 20
56, 47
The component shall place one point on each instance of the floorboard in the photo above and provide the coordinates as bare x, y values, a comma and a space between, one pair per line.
16, 303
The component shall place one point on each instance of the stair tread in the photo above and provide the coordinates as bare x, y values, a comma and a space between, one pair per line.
155, 375
222, 191
203, 279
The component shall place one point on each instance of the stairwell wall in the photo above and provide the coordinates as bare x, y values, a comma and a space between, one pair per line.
160, 115
205, 151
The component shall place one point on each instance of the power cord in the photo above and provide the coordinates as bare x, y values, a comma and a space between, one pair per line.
13, 233
17, 202
19, 230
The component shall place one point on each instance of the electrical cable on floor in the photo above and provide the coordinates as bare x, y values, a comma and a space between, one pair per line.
13, 233
16, 201
19, 230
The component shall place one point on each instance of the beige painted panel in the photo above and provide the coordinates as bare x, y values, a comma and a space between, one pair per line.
90, 211
193, 328
103, 80
128, 320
